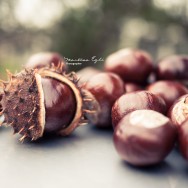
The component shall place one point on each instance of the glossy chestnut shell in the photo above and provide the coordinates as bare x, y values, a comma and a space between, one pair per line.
183, 139
60, 105
131, 87
170, 91
106, 88
144, 137
43, 59
173, 68
131, 65
136, 101
178, 113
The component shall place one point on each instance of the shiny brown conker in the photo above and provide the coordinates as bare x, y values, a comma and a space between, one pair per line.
136, 101
173, 68
144, 137
43, 59
131, 65
131, 87
178, 113
183, 139
105, 89
59, 112
170, 91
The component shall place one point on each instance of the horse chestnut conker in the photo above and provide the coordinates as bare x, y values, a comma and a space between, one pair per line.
173, 68
183, 139
170, 91
131, 87
178, 113
144, 137
136, 101
131, 65
44, 59
105, 88
46, 100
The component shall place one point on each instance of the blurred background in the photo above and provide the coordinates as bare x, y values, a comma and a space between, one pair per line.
86, 28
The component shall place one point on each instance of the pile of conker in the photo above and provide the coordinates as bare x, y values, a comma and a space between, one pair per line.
146, 105
152, 115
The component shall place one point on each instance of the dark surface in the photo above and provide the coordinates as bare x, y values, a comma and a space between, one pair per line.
85, 159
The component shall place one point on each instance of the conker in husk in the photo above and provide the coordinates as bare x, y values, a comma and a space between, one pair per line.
173, 68
170, 91
136, 101
144, 137
178, 113
183, 139
45, 100
44, 59
105, 88
131, 65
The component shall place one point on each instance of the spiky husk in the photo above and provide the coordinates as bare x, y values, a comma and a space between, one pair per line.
91, 107
21, 104
23, 101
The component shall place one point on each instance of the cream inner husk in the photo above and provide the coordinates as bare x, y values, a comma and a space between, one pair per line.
42, 112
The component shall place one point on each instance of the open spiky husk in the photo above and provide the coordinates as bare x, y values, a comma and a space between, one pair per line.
23, 101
